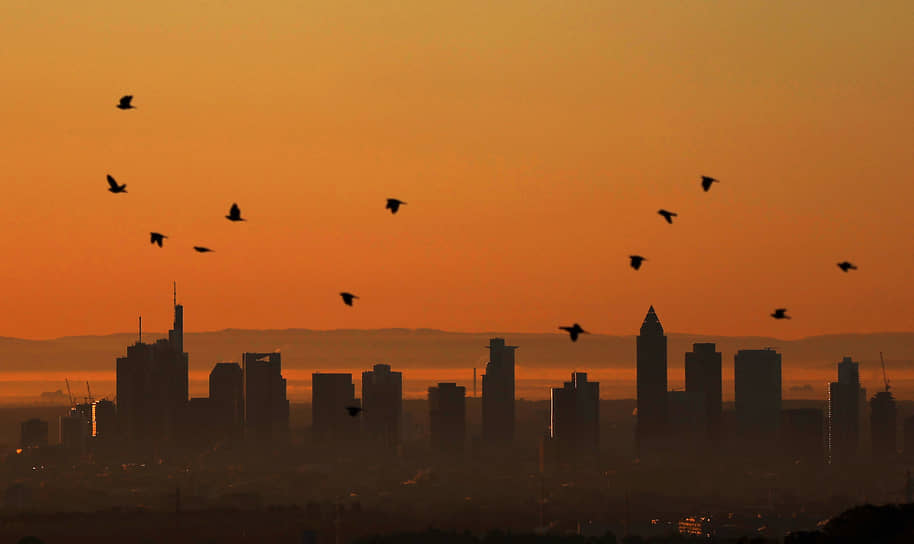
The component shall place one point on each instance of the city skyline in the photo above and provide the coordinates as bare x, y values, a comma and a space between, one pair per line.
457, 271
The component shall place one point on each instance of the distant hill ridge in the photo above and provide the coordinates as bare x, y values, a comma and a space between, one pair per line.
430, 348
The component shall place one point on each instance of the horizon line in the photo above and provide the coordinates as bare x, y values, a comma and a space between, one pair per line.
444, 331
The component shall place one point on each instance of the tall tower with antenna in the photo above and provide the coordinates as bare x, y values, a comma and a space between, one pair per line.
176, 335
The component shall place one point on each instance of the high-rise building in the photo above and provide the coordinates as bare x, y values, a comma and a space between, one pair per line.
73, 433
104, 419
382, 405
33, 434
801, 436
152, 386
575, 421
447, 417
909, 437
842, 416
331, 394
226, 395
653, 414
199, 430
757, 374
498, 393
266, 408
703, 376
884, 425
688, 424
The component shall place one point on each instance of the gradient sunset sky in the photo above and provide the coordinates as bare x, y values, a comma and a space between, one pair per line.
533, 141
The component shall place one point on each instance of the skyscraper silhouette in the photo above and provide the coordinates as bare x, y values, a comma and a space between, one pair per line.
330, 395
33, 433
801, 438
266, 408
382, 405
842, 413
498, 393
687, 431
73, 433
758, 395
884, 426
447, 417
703, 376
226, 394
908, 437
575, 418
152, 387
104, 420
653, 415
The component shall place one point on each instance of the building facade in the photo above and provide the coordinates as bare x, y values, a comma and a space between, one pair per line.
152, 387
651, 354
703, 376
575, 418
802, 436
884, 426
382, 405
842, 414
266, 408
757, 374
498, 394
331, 394
447, 417
226, 395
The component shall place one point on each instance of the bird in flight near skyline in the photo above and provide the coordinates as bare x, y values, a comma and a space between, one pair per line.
353, 410
780, 313
114, 187
845, 266
574, 331
668, 215
234, 213
393, 205
707, 181
125, 104
156, 238
348, 298
202, 249
636, 261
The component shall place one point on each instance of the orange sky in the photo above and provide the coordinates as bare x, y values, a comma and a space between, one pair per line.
534, 142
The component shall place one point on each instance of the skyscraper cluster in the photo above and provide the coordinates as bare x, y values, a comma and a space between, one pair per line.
246, 401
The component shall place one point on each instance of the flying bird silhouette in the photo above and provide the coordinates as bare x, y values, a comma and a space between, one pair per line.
636, 261
125, 104
707, 181
780, 313
156, 238
393, 205
574, 331
202, 249
668, 216
353, 410
348, 298
234, 213
845, 266
114, 187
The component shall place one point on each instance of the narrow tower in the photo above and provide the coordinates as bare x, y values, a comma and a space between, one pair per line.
651, 383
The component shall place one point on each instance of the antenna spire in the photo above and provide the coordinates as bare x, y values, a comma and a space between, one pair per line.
140, 339
175, 293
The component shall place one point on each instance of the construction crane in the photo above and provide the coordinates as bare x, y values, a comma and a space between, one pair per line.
884, 377
69, 394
